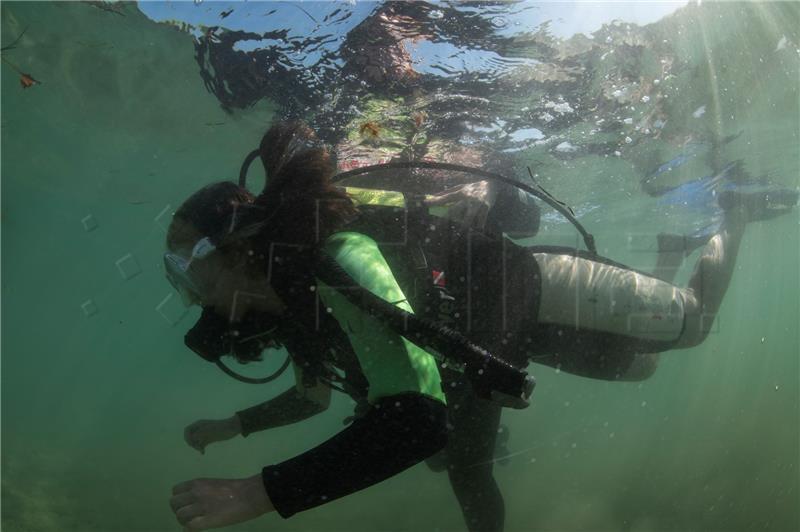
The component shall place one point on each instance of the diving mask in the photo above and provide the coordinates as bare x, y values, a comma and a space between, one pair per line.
183, 275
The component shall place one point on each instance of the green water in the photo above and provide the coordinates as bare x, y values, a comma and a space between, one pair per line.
97, 385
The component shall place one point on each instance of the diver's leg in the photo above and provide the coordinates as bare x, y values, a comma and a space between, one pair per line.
669, 261
714, 270
470, 462
611, 361
641, 368
711, 277
672, 250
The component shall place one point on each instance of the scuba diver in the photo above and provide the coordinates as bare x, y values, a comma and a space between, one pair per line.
261, 268
367, 297
378, 79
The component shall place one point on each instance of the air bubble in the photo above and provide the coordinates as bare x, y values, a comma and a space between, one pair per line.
499, 22
89, 308
89, 223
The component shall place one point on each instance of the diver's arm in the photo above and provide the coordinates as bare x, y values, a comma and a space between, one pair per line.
396, 433
295, 404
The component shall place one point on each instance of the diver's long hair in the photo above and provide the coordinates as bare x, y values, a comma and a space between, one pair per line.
211, 212
302, 205
298, 206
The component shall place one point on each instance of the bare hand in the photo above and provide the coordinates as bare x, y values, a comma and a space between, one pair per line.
201, 433
205, 503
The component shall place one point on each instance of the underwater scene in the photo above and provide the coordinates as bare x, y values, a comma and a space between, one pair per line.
429, 207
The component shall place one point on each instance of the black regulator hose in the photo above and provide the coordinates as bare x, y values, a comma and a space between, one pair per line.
588, 238
543, 195
254, 380
211, 339
246, 166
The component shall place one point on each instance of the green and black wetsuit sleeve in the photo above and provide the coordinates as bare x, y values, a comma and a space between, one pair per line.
407, 420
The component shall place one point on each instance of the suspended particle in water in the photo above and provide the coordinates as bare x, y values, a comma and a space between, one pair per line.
89, 308
763, 339
89, 223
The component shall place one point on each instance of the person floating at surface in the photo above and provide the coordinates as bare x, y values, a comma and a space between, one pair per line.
649, 316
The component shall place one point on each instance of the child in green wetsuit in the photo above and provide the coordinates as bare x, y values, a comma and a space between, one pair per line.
253, 281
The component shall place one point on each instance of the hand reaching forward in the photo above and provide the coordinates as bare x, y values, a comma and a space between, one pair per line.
205, 503
201, 433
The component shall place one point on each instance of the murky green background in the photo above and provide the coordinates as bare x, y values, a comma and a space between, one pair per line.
97, 385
